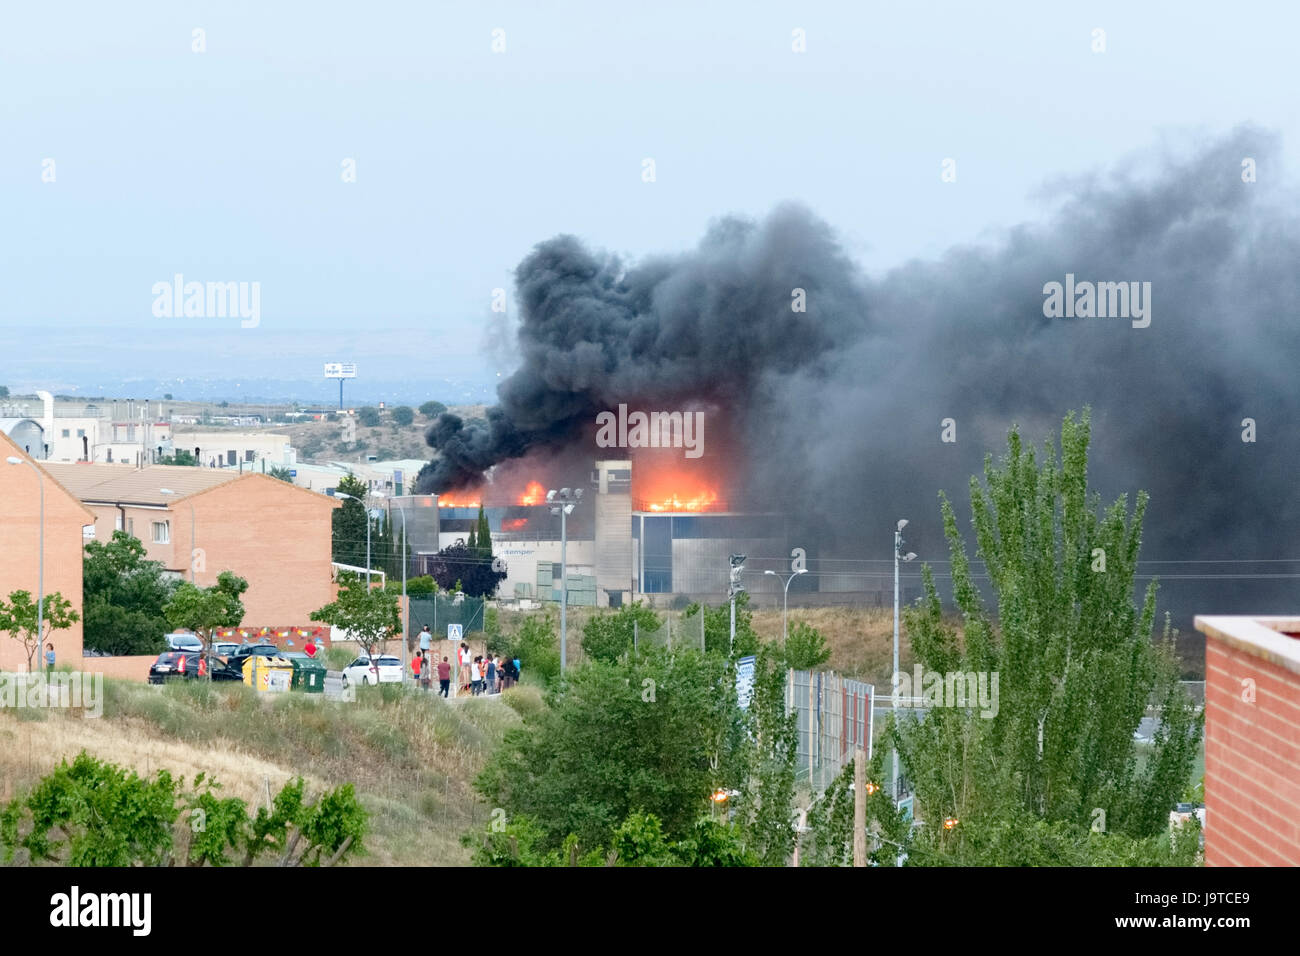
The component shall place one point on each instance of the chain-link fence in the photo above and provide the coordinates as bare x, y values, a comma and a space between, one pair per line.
440, 610
834, 717
676, 630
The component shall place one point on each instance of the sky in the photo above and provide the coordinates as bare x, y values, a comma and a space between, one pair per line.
228, 164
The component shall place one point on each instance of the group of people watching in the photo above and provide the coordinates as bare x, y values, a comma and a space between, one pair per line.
477, 674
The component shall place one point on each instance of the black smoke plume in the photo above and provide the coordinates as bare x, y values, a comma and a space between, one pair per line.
837, 411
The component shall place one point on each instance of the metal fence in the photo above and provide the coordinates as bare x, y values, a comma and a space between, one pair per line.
834, 717
676, 630
438, 611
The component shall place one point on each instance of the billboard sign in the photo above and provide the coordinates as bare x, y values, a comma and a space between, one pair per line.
340, 369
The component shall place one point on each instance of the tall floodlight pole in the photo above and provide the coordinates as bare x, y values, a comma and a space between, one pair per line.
406, 604
193, 543
785, 600
898, 556
40, 557
737, 565
562, 503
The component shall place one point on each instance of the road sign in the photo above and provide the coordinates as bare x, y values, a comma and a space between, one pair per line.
293, 472
340, 369
745, 681
455, 631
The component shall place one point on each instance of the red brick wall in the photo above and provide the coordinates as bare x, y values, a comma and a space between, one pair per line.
20, 533
1252, 761
273, 534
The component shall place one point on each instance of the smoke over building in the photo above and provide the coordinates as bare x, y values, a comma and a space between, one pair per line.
834, 415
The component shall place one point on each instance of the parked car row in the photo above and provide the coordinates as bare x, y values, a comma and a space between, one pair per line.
190, 664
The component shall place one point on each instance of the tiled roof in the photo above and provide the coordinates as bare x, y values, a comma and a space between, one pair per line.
126, 483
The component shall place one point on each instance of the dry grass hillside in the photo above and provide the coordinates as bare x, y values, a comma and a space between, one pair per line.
412, 756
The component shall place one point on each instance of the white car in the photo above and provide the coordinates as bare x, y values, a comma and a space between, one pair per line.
383, 670
179, 641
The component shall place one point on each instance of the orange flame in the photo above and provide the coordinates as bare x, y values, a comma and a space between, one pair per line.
514, 524
460, 499
533, 494
702, 501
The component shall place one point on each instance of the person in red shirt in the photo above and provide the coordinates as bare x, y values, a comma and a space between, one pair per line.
444, 677
310, 647
416, 661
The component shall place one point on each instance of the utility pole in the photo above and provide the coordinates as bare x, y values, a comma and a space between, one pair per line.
860, 807
737, 565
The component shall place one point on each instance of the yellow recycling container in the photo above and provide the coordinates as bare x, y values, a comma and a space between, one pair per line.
268, 674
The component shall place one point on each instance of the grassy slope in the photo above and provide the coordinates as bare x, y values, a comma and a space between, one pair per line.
412, 756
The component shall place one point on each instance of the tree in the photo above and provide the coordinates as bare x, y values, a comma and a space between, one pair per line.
717, 627
19, 616
180, 457
1034, 774
459, 564
284, 474
432, 409
608, 636
769, 814
805, 648
349, 523
107, 815
123, 595
167, 396
657, 733
403, 415
369, 615
368, 416
4, 393
203, 610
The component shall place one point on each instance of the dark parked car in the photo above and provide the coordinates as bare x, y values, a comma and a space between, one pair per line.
243, 652
187, 665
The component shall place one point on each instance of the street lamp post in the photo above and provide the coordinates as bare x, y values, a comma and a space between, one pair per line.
193, 543
40, 557
898, 556
406, 605
562, 503
785, 600
344, 494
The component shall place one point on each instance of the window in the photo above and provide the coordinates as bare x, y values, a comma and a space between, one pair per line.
130, 527
117, 523
81, 433
161, 532
249, 454
66, 433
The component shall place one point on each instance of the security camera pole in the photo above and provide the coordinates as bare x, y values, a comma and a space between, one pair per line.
562, 503
737, 565
898, 556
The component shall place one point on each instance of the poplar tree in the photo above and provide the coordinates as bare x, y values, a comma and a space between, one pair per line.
1056, 771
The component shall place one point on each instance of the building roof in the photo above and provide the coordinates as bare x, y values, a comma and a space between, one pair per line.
128, 484
1273, 638
19, 453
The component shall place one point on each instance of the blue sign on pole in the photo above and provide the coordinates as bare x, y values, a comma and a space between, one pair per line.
745, 681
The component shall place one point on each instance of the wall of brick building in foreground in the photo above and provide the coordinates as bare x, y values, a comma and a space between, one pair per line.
1252, 760
20, 535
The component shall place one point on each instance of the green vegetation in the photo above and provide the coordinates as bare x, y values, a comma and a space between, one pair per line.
203, 610
19, 619
432, 409
180, 457
403, 415
349, 523
111, 816
805, 648
607, 637
1052, 775
369, 615
123, 595
368, 416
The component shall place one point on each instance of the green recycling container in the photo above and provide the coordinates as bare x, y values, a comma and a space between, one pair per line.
308, 673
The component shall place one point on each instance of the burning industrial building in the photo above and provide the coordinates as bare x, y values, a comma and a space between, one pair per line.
840, 401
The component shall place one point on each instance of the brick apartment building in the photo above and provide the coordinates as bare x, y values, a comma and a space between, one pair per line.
268, 531
1252, 740
20, 535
